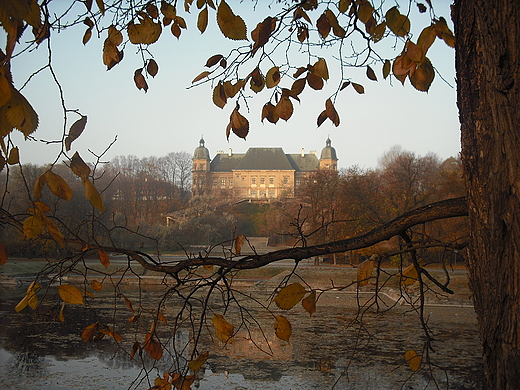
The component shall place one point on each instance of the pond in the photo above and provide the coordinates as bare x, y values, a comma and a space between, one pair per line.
328, 350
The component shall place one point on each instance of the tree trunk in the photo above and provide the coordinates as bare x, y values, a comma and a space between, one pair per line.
487, 63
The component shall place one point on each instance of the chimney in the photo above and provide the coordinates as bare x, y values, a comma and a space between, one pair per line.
303, 152
230, 152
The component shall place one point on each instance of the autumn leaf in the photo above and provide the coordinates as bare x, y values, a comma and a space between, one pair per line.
239, 242
423, 76
386, 68
303, 33
89, 332
332, 114
443, 32
231, 25
344, 5
262, 32
54, 232
238, 124
289, 296
145, 32
136, 347
92, 194
359, 88
152, 68
426, 38
399, 24
103, 258
272, 77
408, 275
323, 25
365, 11
219, 96
61, 316
320, 69
201, 76
128, 303
196, 364
283, 328
75, 131
95, 285
139, 80
315, 82
202, 20
269, 113
284, 108
364, 272
371, 74
70, 294
153, 347
30, 299
14, 156
223, 329
309, 303
32, 227
3, 254
58, 185
213, 60
109, 332
321, 118
79, 167
18, 113
413, 359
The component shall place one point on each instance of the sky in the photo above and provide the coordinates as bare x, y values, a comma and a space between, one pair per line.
172, 117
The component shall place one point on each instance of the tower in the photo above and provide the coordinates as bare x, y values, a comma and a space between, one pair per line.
200, 169
328, 158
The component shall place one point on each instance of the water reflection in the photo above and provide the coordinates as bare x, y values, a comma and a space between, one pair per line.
321, 349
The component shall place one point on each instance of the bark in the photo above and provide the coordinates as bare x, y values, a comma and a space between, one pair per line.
487, 64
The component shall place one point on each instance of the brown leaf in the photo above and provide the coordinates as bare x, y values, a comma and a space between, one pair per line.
284, 108
89, 332
101, 6
61, 315
309, 303
176, 30
344, 5
78, 166
38, 186
297, 87
103, 258
18, 113
359, 88
219, 96
426, 38
231, 25
423, 76
397, 23
201, 76
257, 80
272, 77
168, 10
332, 114
153, 347
344, 85
14, 156
87, 36
238, 124
111, 54
315, 82
54, 232
231, 89
323, 25
289, 296
321, 118
139, 80
386, 68
414, 52
320, 69
283, 328
262, 32
214, 60
152, 68
443, 32
371, 74
128, 303
32, 227
109, 332
365, 11
3, 254
269, 113
408, 276
145, 32
378, 32
70, 294
75, 131
202, 20
303, 33
152, 10
136, 347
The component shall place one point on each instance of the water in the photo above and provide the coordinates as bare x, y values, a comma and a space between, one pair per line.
326, 351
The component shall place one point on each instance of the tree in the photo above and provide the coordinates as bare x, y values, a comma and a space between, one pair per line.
487, 79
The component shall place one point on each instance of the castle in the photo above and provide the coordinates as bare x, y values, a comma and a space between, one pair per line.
258, 174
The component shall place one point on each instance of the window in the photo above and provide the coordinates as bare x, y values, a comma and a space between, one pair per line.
231, 182
286, 180
262, 194
271, 193
262, 180
222, 182
253, 181
253, 193
214, 182
271, 180
243, 178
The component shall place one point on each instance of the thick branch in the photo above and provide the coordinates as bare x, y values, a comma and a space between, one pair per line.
449, 208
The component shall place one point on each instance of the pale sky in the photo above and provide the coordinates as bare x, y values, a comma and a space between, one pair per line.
172, 118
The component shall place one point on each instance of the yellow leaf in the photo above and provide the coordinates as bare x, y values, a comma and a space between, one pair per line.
202, 20
95, 285
70, 294
196, 364
239, 242
14, 156
365, 272
58, 185
54, 232
413, 360
283, 328
92, 194
289, 296
109, 332
309, 303
408, 276
19, 114
223, 329
32, 227
42, 206
103, 258
3, 254
5, 88
272, 77
30, 299
231, 25
146, 32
